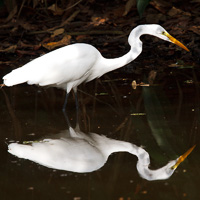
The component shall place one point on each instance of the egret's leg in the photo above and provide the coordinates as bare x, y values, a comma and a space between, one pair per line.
77, 106
66, 118
76, 99
65, 103
64, 109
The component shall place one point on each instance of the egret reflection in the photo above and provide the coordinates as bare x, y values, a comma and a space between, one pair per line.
75, 151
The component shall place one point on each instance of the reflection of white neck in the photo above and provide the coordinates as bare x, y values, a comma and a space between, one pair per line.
78, 152
109, 146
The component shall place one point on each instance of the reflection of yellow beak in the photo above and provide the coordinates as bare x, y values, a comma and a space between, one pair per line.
175, 41
182, 158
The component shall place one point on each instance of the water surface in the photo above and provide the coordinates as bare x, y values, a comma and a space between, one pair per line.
162, 118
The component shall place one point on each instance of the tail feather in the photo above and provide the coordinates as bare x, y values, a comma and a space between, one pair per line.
15, 77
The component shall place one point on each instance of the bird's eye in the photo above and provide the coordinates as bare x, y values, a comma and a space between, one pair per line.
163, 32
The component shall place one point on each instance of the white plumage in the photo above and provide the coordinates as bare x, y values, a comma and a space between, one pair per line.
64, 68
73, 150
69, 66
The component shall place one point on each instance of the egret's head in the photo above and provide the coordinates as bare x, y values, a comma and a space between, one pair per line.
155, 30
163, 172
161, 33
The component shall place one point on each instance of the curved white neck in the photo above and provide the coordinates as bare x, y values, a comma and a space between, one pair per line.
105, 65
110, 64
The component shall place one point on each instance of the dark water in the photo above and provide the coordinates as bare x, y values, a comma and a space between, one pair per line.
164, 119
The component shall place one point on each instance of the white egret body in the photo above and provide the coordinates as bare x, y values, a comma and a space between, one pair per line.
69, 66
73, 150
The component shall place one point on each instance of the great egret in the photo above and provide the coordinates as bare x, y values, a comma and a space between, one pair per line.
73, 150
69, 66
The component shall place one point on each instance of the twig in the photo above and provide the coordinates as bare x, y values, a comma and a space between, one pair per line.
69, 19
22, 5
73, 5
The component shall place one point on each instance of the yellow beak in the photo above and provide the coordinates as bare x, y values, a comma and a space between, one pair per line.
175, 41
183, 157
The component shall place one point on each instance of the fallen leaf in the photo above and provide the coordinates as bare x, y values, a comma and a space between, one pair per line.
81, 37
10, 49
161, 5
22, 52
25, 25
30, 46
55, 9
195, 29
175, 11
52, 45
58, 32
96, 21
5, 62
128, 6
